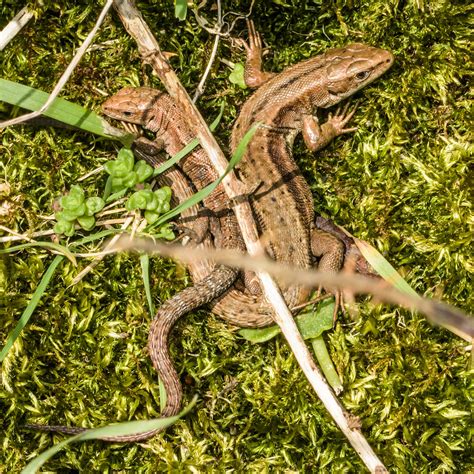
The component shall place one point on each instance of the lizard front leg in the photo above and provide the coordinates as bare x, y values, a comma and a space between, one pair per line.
318, 136
254, 76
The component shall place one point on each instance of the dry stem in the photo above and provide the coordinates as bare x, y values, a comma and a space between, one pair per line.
15, 26
151, 53
66, 75
436, 312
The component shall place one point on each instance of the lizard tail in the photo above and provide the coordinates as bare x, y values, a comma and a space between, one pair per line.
204, 291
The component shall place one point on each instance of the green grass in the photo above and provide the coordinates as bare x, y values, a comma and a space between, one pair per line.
400, 182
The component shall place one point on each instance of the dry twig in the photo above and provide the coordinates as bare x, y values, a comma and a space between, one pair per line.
435, 311
67, 73
202, 82
15, 26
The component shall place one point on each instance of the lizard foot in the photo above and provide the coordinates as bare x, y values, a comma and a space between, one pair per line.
317, 136
340, 119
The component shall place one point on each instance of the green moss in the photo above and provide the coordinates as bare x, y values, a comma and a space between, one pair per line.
401, 182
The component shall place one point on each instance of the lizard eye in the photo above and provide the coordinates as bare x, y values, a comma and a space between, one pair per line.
360, 76
127, 113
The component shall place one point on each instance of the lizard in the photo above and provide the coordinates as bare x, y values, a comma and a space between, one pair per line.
284, 104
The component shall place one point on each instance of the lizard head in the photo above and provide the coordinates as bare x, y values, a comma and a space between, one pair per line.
353, 67
132, 104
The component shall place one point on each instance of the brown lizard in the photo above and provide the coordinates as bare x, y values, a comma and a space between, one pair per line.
284, 105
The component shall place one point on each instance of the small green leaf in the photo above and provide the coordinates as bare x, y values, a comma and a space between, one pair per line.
143, 170
125, 155
109, 167
122, 165
237, 76
180, 9
64, 227
73, 199
164, 207
70, 232
140, 199
86, 222
130, 180
153, 203
163, 194
151, 216
94, 205
166, 232
311, 325
116, 185
71, 214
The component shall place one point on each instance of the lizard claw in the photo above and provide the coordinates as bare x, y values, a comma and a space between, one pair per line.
254, 45
254, 37
338, 300
241, 43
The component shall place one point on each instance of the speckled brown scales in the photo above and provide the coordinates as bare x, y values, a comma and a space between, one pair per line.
283, 204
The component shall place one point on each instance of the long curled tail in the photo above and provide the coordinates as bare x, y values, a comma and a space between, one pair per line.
204, 291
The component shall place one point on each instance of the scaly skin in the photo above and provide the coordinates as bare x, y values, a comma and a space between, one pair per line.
283, 205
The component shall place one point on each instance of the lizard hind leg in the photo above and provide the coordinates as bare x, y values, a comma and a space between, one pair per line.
330, 251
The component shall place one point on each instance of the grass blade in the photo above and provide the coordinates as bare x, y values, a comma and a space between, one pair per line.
180, 9
119, 429
94, 237
50, 245
25, 317
174, 159
203, 193
188, 148
72, 114
326, 364
27, 313
145, 265
384, 268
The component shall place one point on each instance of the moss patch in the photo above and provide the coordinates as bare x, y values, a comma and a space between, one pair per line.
401, 182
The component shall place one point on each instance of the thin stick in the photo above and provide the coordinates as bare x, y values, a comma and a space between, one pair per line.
202, 82
435, 311
15, 236
67, 73
91, 173
98, 257
151, 52
15, 26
